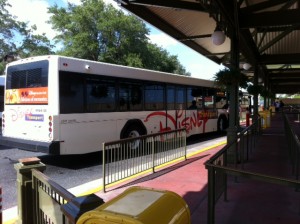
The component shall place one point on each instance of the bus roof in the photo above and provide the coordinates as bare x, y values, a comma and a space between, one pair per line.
93, 67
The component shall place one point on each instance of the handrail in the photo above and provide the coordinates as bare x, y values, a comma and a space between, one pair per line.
293, 143
127, 157
226, 162
49, 191
218, 171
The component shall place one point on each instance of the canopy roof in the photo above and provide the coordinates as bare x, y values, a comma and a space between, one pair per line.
268, 33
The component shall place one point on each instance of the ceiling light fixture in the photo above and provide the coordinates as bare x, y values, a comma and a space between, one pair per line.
246, 66
218, 36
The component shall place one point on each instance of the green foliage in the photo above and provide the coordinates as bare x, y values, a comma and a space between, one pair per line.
267, 93
99, 32
34, 44
296, 96
7, 28
255, 89
228, 77
92, 30
10, 28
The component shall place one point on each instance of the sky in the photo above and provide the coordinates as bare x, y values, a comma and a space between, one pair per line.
35, 12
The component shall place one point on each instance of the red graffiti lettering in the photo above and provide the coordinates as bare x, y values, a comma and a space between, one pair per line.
196, 120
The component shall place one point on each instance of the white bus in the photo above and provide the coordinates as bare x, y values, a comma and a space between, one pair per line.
62, 105
2, 86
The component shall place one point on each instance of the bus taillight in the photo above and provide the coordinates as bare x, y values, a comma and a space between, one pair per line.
50, 124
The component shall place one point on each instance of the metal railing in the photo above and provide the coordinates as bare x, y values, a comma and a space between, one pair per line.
127, 157
41, 200
219, 169
48, 197
291, 119
0, 205
229, 160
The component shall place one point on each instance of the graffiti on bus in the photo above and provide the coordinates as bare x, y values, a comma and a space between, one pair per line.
195, 120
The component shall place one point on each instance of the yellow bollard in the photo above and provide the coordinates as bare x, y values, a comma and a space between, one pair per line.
139, 205
268, 118
264, 119
272, 110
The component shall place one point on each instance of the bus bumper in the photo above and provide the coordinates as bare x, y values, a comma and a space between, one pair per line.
35, 146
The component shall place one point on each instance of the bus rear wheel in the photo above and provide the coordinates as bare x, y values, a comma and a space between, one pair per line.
133, 131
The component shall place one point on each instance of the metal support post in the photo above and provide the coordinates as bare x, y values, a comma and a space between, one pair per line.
78, 206
24, 188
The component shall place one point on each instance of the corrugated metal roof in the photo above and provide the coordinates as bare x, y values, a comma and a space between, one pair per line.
269, 30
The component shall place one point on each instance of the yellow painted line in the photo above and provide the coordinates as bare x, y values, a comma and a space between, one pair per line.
10, 216
207, 148
11, 221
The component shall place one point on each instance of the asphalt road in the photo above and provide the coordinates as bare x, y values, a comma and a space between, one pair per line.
68, 171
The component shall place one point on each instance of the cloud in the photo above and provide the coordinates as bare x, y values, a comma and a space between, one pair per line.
195, 63
33, 12
76, 2
162, 40
204, 69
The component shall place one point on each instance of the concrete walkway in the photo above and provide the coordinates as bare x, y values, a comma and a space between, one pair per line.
249, 201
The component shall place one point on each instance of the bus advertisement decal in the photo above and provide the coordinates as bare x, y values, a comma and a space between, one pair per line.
34, 117
37, 95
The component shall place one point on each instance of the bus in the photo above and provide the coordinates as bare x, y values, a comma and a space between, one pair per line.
2, 84
62, 105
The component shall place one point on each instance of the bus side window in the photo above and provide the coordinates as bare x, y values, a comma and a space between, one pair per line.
71, 93
136, 97
170, 97
180, 98
130, 96
101, 95
194, 94
209, 101
154, 97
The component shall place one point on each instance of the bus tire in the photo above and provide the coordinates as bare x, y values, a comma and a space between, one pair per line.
222, 123
131, 131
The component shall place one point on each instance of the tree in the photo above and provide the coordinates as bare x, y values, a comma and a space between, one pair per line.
230, 77
159, 59
34, 44
96, 31
7, 27
11, 30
